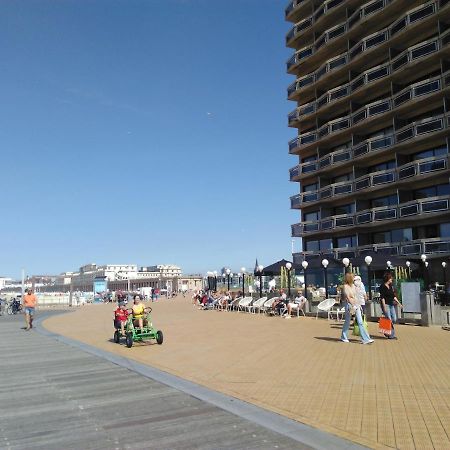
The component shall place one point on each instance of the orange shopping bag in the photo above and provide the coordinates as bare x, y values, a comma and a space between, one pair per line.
385, 326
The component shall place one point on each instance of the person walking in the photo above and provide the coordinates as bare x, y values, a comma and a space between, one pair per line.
361, 295
29, 305
351, 303
388, 301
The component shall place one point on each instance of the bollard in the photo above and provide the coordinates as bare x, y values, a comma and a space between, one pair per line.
427, 308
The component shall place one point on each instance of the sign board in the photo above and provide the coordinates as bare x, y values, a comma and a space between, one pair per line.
100, 286
410, 297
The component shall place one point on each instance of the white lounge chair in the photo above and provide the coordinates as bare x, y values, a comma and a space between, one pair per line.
257, 305
326, 305
244, 303
267, 305
234, 304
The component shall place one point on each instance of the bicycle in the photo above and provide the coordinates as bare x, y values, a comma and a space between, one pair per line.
14, 307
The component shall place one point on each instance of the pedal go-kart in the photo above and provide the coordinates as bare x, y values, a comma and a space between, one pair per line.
134, 334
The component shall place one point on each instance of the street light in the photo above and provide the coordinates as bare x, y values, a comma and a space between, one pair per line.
444, 265
259, 271
423, 257
243, 281
325, 263
305, 266
228, 271
346, 263
368, 261
408, 264
289, 267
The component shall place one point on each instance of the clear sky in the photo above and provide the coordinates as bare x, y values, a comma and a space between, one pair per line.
144, 131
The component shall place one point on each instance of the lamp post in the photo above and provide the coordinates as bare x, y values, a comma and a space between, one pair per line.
346, 263
215, 280
325, 265
305, 266
423, 257
260, 271
243, 281
444, 265
408, 264
368, 261
228, 271
388, 264
289, 267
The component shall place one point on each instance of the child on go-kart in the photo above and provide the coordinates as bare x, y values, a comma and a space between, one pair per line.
120, 317
138, 311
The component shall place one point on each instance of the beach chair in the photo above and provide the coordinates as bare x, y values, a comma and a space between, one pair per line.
326, 305
257, 305
244, 303
233, 305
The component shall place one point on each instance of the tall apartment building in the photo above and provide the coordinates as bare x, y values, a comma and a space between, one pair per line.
372, 87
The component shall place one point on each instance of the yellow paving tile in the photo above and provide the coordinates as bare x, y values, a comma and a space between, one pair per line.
391, 394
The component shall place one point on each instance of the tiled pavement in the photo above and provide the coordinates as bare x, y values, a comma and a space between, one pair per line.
391, 394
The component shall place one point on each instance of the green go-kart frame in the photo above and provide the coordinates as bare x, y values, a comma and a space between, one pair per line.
135, 334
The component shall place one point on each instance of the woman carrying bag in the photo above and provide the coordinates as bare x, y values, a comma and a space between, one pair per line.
388, 301
351, 304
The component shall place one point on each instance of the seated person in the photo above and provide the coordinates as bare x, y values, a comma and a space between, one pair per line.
277, 305
297, 304
120, 317
138, 311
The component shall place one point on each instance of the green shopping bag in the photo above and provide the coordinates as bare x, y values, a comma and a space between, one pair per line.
356, 327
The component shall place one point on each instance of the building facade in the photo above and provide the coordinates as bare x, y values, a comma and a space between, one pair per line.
372, 86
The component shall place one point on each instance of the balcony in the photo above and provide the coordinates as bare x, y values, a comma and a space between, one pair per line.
374, 216
421, 50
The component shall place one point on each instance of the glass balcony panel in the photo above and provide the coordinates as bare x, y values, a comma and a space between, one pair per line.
324, 162
380, 108
385, 214
292, 116
294, 173
289, 8
341, 125
437, 247
344, 189
427, 88
358, 117
381, 143
376, 74
361, 150
308, 109
409, 210
400, 61
428, 127
296, 230
339, 157
357, 83
383, 178
320, 42
355, 51
292, 60
371, 42
424, 50
326, 225
293, 144
337, 32
411, 249
388, 250
322, 101
305, 81
407, 172
291, 34
442, 3
405, 134
431, 166
354, 19
319, 13
326, 193
307, 139
307, 168
364, 218
402, 98
339, 93
333, 3
312, 197
292, 88
421, 13
304, 53
321, 72
309, 227
434, 206
446, 38
373, 7
338, 62
324, 131
362, 184
304, 24
343, 221
398, 26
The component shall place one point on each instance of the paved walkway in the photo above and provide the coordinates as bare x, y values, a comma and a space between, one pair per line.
56, 396
391, 394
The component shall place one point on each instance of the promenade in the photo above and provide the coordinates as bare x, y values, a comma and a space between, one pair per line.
391, 394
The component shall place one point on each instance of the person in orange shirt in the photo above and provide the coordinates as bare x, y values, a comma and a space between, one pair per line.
29, 305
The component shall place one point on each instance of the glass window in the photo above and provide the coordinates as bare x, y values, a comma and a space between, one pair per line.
326, 244
347, 241
344, 209
432, 191
444, 230
380, 238
443, 189
310, 187
345, 177
383, 166
439, 151
309, 159
312, 246
384, 201
401, 235
311, 216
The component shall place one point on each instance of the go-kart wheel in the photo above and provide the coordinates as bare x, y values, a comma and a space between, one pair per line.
9, 310
159, 337
116, 336
129, 340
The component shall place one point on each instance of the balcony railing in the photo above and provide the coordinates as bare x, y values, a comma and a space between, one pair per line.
415, 91
413, 53
422, 207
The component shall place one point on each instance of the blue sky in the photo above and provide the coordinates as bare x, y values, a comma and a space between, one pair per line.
144, 131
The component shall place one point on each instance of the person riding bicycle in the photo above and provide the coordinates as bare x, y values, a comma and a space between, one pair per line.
120, 317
